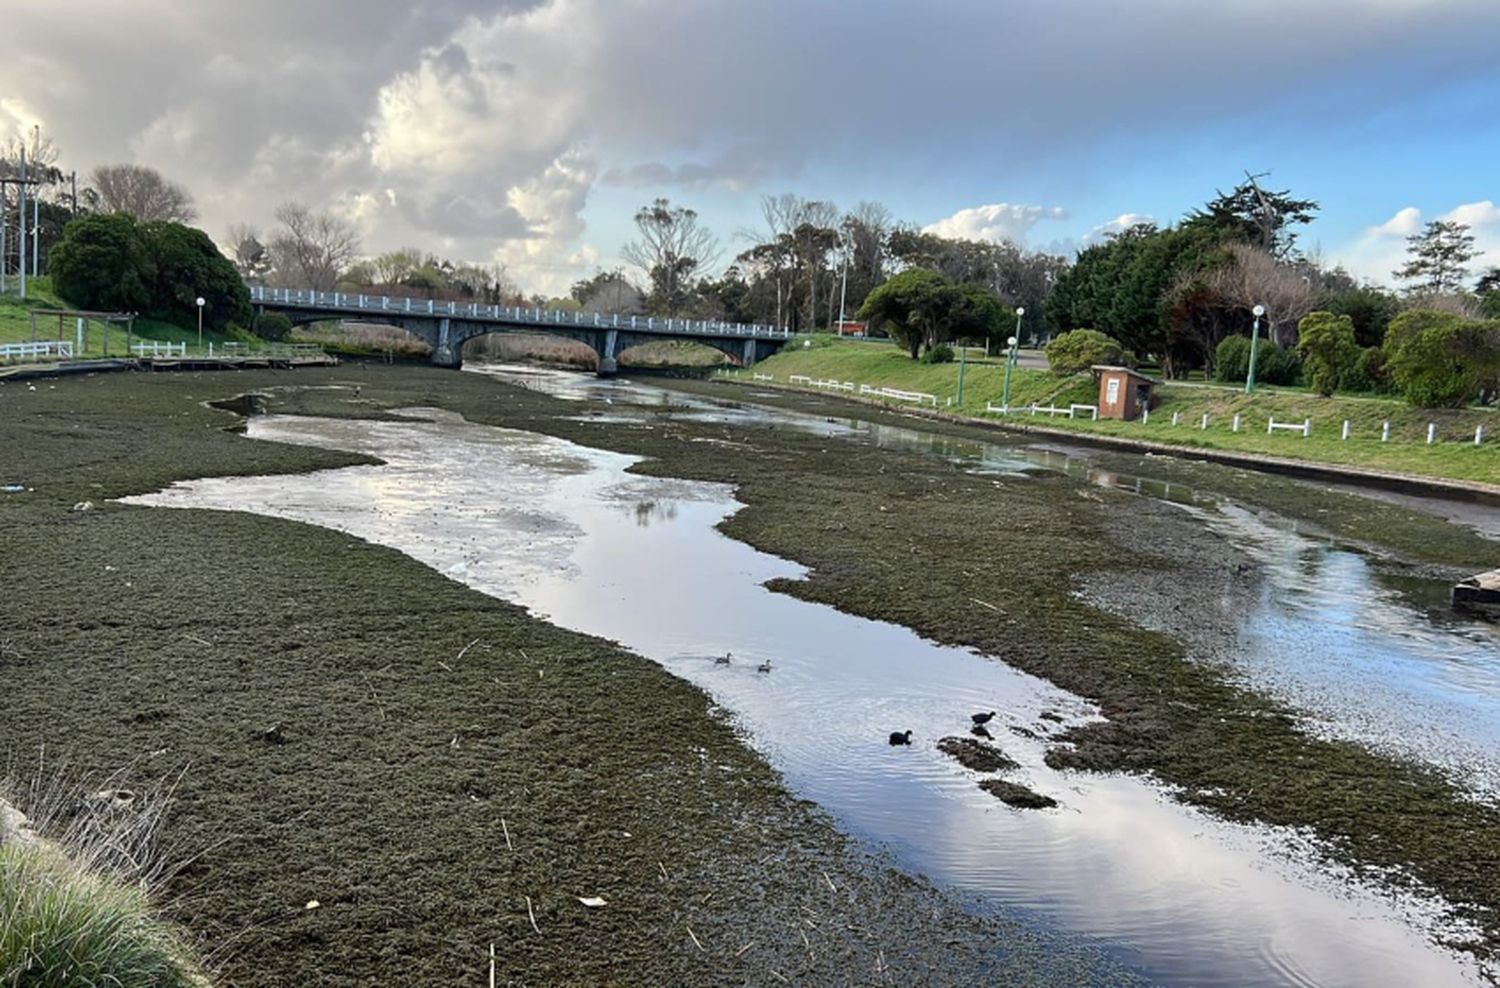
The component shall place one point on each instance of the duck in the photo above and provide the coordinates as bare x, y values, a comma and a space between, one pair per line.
723, 660
900, 737
982, 719
764, 666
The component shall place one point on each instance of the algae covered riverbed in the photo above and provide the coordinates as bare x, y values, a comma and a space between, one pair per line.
864, 523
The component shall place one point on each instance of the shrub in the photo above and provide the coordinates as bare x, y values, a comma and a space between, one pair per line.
1081, 349
1232, 359
273, 326
940, 354
1441, 359
1273, 365
1326, 342
1367, 373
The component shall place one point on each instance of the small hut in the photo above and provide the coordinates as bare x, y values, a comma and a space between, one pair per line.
1123, 393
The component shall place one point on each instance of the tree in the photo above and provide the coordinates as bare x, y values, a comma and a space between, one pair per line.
1328, 349
185, 265
1254, 277
1370, 308
110, 261
671, 249
101, 263
311, 248
142, 192
1080, 349
916, 307
251, 257
1263, 218
1488, 291
609, 291
1437, 258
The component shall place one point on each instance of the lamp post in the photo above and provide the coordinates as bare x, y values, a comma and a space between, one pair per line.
1258, 311
963, 353
199, 301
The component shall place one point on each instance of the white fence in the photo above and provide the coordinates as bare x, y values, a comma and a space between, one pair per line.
156, 348
1304, 427
41, 348
896, 394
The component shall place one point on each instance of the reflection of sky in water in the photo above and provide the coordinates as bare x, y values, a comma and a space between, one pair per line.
1324, 634
1189, 900
1327, 636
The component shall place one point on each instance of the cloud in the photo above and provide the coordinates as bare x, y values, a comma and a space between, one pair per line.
1000, 221
1381, 249
480, 127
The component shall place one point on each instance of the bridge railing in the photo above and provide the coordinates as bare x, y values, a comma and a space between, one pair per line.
401, 305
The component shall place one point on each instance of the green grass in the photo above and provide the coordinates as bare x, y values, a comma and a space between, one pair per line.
1453, 456
62, 925
15, 323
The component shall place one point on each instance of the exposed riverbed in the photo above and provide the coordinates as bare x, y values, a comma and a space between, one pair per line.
568, 532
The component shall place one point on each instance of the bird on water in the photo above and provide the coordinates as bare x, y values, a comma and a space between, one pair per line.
982, 719
723, 660
764, 666
900, 737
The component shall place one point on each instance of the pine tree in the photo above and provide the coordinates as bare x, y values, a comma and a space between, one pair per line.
1438, 258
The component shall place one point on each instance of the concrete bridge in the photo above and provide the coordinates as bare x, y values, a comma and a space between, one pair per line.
447, 326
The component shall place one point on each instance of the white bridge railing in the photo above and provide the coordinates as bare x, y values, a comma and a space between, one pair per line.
374, 305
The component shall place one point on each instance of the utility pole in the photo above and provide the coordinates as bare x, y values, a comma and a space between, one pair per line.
21, 226
36, 230
844, 291
1258, 311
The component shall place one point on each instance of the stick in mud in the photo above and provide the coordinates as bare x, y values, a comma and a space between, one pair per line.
464, 651
694, 936
492, 964
831, 887
531, 915
506, 831
741, 951
374, 696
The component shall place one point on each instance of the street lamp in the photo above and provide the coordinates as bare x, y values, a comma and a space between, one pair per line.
1010, 359
200, 302
1258, 311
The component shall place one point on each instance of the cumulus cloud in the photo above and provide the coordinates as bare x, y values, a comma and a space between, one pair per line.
1000, 221
479, 127
1381, 249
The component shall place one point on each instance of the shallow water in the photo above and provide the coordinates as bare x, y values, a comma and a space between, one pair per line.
1324, 634
567, 532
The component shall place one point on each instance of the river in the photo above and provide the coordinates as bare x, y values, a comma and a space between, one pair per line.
569, 533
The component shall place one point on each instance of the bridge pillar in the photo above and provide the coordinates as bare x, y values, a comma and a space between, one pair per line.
446, 352
607, 364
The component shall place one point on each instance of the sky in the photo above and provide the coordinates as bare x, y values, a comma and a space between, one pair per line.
527, 132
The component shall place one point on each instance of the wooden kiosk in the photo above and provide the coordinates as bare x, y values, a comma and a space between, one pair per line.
1123, 393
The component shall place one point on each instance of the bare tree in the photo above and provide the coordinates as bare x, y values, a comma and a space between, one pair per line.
251, 256
311, 248
143, 193
1252, 276
672, 247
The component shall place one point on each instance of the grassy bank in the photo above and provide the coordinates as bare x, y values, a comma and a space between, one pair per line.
1453, 456
15, 324
436, 769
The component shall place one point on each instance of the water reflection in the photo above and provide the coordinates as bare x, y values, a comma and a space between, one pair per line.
1189, 900
1325, 634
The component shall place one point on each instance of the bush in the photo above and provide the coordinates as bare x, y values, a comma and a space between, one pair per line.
1273, 365
940, 354
1367, 373
273, 326
1080, 349
1232, 360
1441, 359
1326, 342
